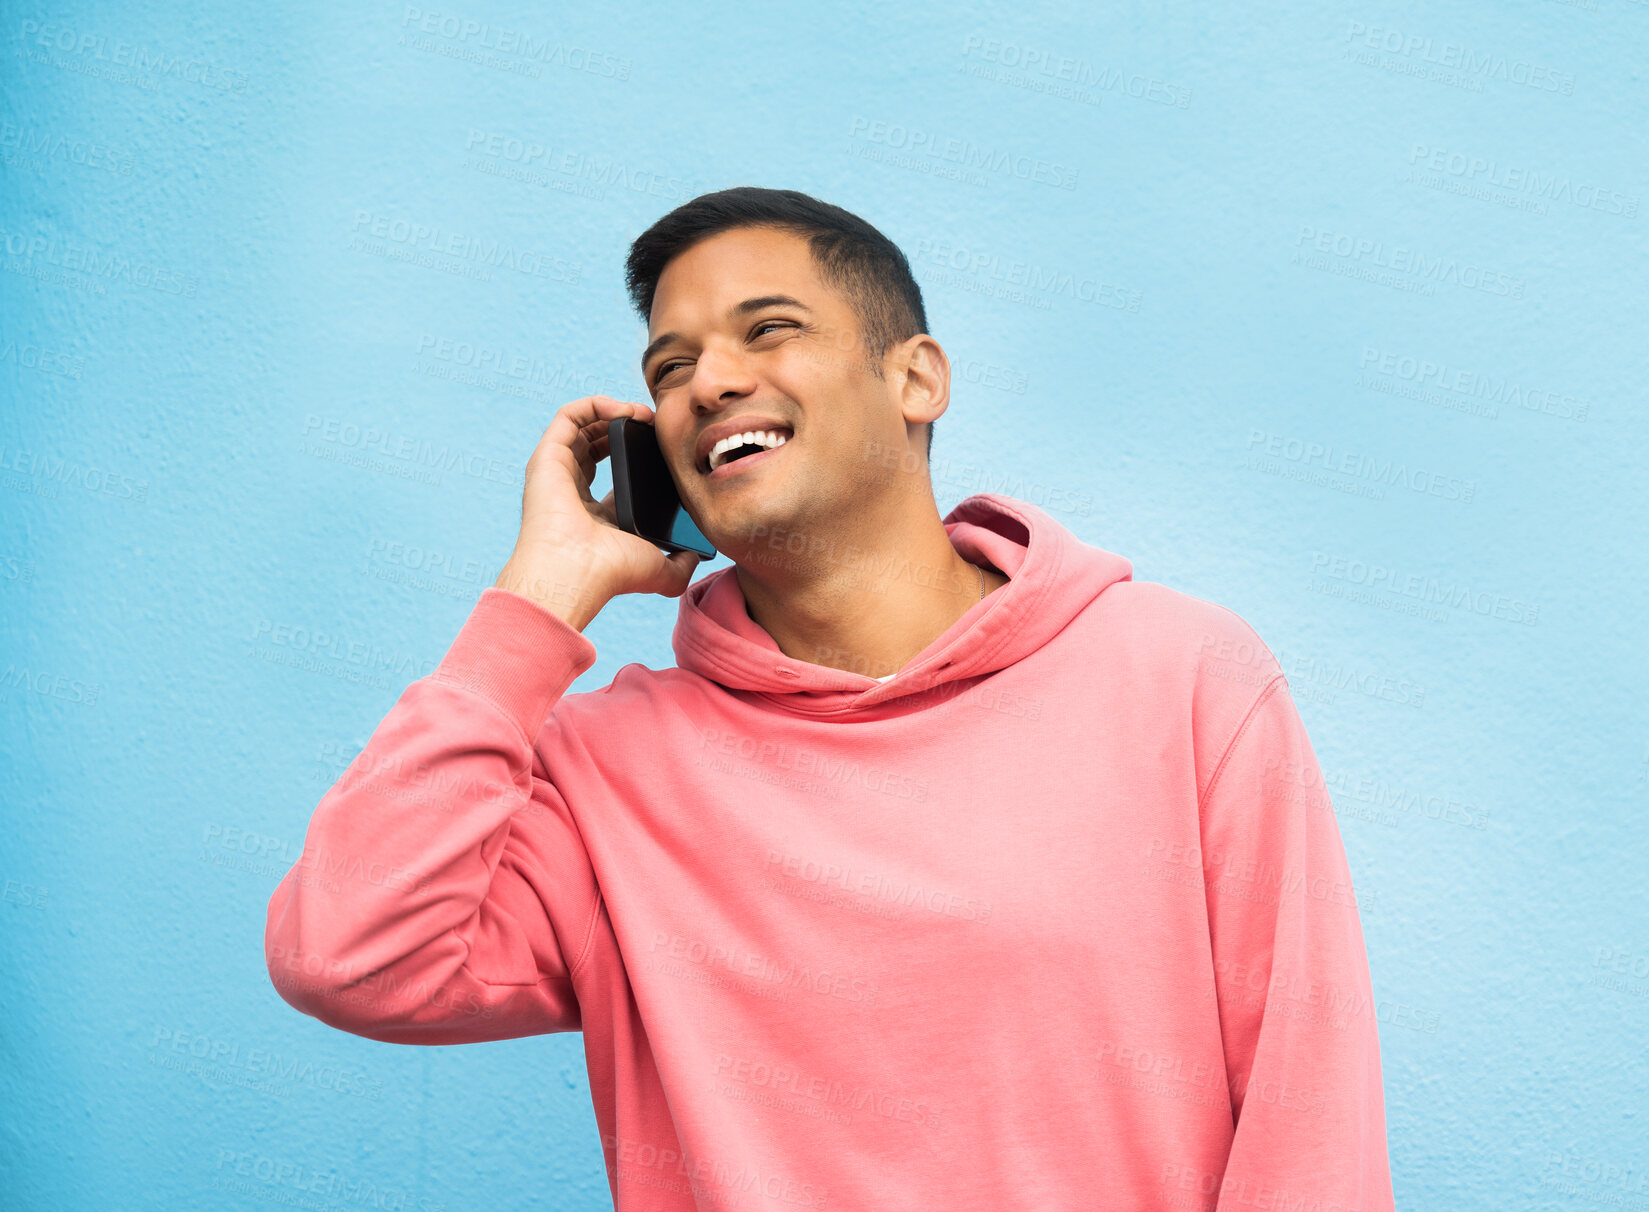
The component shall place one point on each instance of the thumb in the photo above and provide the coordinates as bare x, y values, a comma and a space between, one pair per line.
682, 565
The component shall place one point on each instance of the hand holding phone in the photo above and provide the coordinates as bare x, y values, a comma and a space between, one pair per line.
571, 556
645, 497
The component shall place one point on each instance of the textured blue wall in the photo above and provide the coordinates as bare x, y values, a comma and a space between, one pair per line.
1319, 313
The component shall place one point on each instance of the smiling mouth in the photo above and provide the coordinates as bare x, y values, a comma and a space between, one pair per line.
743, 446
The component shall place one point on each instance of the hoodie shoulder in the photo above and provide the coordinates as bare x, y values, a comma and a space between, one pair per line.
628, 711
634, 689
1178, 623
1205, 655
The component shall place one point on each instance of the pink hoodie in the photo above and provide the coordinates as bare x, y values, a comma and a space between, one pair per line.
1056, 918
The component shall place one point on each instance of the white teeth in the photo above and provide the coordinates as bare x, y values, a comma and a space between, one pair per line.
769, 438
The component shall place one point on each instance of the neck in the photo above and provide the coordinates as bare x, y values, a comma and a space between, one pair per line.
873, 599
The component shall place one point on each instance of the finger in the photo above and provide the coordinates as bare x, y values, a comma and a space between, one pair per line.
572, 420
589, 442
589, 452
594, 444
595, 439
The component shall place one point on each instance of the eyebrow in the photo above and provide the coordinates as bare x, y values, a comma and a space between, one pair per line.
733, 313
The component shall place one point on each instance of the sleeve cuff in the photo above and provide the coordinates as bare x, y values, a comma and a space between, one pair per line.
518, 655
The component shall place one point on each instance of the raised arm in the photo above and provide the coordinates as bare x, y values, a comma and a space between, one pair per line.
444, 894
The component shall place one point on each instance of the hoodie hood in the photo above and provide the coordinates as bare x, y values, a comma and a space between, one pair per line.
1052, 577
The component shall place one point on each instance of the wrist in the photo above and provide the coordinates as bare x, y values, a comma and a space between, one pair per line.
565, 586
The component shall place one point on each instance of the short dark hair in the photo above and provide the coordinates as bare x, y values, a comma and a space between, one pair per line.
851, 255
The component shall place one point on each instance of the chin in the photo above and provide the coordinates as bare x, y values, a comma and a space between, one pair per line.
764, 524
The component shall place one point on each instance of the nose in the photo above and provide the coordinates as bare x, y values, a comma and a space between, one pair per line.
720, 377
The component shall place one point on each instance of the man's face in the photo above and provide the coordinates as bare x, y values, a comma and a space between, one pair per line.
733, 350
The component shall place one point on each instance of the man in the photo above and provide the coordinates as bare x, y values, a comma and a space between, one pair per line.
951, 869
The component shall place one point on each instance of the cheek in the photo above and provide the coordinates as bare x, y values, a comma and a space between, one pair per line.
820, 364
669, 430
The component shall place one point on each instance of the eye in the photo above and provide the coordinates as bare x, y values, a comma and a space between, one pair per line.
666, 367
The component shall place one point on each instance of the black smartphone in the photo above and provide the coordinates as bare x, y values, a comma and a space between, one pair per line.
644, 492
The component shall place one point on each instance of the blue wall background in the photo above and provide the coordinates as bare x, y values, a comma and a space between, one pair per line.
1332, 310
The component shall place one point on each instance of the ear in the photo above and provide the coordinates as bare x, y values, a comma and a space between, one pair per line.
919, 375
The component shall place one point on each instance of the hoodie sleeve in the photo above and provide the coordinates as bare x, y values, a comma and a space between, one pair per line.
1302, 1050
444, 894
